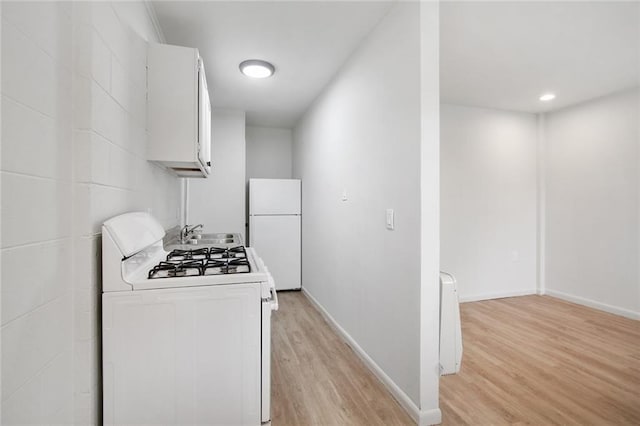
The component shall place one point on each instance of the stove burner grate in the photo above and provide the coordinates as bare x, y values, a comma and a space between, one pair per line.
177, 254
174, 268
203, 261
226, 266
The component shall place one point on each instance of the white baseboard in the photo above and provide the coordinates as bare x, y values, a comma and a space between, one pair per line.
430, 417
593, 304
422, 418
500, 295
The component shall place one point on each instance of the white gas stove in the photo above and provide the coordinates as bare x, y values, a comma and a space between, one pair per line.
186, 333
132, 248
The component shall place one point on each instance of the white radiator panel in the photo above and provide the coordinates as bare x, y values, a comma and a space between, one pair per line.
450, 327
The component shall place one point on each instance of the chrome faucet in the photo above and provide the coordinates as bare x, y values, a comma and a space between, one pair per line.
183, 234
188, 230
193, 229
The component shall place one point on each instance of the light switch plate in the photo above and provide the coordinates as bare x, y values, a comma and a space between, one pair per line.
390, 219
344, 195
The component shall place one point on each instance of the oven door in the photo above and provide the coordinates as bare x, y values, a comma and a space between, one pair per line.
268, 305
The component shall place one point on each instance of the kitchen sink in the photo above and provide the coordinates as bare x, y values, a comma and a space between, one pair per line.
202, 239
209, 241
214, 237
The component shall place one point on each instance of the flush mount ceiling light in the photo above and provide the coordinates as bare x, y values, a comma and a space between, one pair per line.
256, 68
547, 97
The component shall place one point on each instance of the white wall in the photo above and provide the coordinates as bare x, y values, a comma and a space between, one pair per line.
37, 302
488, 201
269, 152
111, 172
363, 135
429, 213
218, 202
73, 156
592, 195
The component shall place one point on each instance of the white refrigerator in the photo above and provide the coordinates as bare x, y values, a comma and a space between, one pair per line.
274, 228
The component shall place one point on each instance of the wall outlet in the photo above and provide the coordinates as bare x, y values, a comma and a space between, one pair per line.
390, 219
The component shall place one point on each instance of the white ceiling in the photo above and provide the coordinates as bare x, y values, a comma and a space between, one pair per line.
307, 42
506, 54
494, 54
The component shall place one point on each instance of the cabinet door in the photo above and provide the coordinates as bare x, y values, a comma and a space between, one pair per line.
172, 105
182, 356
204, 119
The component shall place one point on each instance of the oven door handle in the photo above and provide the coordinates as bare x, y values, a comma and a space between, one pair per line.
274, 300
274, 294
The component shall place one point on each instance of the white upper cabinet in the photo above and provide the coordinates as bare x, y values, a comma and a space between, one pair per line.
179, 110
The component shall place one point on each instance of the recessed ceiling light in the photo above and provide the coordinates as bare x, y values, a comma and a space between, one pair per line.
256, 68
547, 97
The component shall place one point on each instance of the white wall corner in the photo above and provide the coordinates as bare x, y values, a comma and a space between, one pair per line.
430, 212
151, 10
184, 202
541, 204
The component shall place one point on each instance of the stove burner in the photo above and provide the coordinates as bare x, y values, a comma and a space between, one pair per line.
177, 272
203, 261
178, 254
229, 253
176, 269
221, 266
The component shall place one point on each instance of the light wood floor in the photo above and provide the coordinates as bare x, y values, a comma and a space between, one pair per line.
317, 379
542, 361
527, 360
